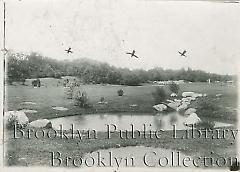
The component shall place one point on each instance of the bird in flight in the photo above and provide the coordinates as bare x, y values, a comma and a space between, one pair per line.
132, 54
69, 50
183, 53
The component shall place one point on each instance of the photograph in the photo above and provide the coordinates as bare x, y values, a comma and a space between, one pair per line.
120, 85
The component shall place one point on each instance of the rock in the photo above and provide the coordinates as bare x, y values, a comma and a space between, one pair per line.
192, 119
218, 95
204, 95
28, 111
186, 99
191, 98
190, 111
41, 123
188, 94
170, 101
28, 103
177, 100
17, 117
160, 107
191, 94
102, 102
173, 95
133, 105
182, 106
60, 108
174, 105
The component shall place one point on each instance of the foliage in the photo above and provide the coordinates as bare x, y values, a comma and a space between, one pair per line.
21, 66
120, 92
173, 87
81, 100
159, 95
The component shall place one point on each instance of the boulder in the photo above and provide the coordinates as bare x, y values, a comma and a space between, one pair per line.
173, 95
191, 94
191, 98
204, 95
183, 106
41, 123
188, 94
190, 111
18, 117
186, 99
170, 101
28, 111
160, 107
177, 100
59, 108
192, 119
218, 95
174, 105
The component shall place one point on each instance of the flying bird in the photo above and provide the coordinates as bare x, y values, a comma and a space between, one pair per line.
69, 50
132, 54
183, 53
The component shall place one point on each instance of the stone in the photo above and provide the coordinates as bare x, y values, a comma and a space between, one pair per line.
28, 111
160, 107
60, 108
174, 105
17, 117
41, 123
192, 119
183, 106
190, 111
188, 94
173, 95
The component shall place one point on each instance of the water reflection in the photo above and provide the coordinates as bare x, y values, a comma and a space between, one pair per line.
123, 121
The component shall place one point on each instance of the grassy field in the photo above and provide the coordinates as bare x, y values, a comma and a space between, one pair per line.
46, 97
36, 151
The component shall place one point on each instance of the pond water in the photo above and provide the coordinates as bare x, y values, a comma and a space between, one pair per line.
123, 121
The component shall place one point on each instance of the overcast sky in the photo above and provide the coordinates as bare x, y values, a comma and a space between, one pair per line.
105, 30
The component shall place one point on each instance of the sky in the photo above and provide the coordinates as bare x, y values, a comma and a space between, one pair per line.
105, 30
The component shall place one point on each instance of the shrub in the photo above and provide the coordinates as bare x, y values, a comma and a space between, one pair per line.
159, 95
102, 99
13, 122
81, 100
120, 92
173, 87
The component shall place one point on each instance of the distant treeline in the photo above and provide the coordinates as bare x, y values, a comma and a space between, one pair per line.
21, 66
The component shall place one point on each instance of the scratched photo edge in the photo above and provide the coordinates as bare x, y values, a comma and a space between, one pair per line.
21, 169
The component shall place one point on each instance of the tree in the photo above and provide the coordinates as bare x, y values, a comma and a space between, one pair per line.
173, 87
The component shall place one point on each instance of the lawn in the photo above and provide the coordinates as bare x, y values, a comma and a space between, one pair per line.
36, 151
46, 97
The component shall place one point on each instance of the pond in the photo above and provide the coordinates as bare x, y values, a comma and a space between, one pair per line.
123, 121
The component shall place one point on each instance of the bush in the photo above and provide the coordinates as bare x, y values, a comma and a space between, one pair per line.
159, 95
120, 92
102, 99
173, 87
81, 100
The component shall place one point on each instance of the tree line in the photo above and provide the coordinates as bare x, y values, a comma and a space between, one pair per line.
22, 66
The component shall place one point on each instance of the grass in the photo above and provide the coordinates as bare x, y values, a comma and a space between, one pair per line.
36, 151
46, 97
30, 154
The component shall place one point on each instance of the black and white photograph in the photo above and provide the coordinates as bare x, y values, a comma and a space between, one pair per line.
120, 85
